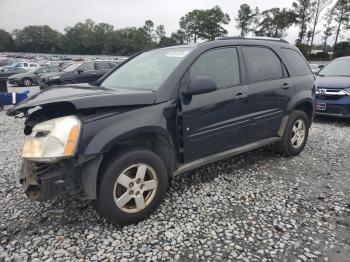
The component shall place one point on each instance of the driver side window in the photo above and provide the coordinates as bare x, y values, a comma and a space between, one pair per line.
221, 65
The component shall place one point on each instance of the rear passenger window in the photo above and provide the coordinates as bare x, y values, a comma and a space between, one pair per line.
297, 62
262, 64
221, 65
101, 66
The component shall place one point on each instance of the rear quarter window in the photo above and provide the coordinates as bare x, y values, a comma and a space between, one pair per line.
297, 62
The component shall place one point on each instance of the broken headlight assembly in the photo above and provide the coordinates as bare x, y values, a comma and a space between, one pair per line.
53, 139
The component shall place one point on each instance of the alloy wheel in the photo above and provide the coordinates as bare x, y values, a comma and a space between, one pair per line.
298, 133
135, 188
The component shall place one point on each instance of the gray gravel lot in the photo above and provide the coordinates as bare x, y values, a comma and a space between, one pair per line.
255, 207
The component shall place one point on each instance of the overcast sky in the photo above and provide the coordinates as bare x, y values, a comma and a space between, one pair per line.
59, 14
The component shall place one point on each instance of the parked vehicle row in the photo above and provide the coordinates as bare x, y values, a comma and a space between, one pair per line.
161, 114
87, 72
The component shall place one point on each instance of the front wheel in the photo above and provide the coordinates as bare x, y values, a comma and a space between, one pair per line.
27, 82
295, 135
132, 186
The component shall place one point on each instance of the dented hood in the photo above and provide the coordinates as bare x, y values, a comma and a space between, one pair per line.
84, 97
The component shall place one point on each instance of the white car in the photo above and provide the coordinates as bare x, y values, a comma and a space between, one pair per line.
25, 65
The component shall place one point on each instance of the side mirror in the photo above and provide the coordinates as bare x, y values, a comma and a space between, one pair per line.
200, 85
79, 71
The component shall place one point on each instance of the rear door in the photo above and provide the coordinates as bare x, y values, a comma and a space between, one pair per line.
102, 68
216, 121
270, 89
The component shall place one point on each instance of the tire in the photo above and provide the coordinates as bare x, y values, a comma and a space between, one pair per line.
27, 82
119, 184
291, 145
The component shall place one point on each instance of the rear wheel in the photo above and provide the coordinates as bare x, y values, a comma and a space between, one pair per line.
296, 134
133, 184
27, 82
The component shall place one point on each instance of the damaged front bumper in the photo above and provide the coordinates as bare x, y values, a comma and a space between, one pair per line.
44, 181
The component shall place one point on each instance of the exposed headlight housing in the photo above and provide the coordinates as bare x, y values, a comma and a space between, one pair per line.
54, 77
53, 139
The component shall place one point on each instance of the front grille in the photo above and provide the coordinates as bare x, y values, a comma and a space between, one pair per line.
338, 92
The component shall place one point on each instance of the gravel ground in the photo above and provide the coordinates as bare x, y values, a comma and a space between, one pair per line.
255, 207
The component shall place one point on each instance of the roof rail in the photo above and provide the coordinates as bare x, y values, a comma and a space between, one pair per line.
253, 38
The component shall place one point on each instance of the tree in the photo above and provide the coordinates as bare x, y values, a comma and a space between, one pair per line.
275, 22
212, 22
149, 28
39, 39
329, 28
244, 19
160, 32
342, 17
303, 10
6, 41
256, 19
179, 37
191, 25
317, 8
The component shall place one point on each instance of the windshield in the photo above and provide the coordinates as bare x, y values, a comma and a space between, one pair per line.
71, 68
337, 68
147, 71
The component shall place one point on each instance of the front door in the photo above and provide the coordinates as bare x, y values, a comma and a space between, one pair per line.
216, 121
86, 73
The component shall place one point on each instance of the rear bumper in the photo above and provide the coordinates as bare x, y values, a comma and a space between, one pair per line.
336, 107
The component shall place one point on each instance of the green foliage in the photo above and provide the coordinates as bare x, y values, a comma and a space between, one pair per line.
245, 19
342, 49
303, 10
6, 41
205, 24
37, 39
275, 22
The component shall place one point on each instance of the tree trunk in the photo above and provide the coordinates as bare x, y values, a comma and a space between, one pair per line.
338, 31
325, 44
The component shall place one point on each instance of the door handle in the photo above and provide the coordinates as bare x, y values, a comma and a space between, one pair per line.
286, 86
241, 95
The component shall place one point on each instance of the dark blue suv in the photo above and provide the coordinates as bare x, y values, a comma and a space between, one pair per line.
163, 113
333, 89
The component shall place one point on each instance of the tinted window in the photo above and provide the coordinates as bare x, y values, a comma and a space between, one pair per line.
101, 65
87, 67
32, 65
262, 64
25, 64
297, 62
221, 65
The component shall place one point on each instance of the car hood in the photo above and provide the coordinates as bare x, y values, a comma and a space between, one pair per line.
21, 75
85, 97
333, 82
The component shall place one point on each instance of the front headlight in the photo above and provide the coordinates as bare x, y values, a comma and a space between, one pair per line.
53, 139
54, 77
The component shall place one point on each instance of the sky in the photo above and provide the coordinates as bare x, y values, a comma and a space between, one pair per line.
58, 14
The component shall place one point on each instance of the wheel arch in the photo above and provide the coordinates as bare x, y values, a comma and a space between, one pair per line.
154, 139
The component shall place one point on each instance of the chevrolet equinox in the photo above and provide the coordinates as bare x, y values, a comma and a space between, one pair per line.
162, 113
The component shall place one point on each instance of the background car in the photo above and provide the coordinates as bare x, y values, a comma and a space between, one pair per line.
333, 89
31, 77
25, 65
87, 72
9, 71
